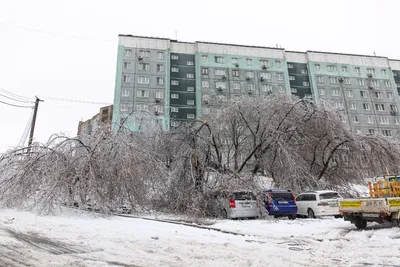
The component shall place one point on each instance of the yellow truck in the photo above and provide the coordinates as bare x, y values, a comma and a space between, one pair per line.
383, 204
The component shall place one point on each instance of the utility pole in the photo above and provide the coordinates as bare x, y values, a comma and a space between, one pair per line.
33, 122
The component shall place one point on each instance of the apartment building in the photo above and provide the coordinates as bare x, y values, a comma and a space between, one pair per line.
100, 121
173, 81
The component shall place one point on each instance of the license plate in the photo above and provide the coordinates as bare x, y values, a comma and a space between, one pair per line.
246, 205
370, 215
283, 202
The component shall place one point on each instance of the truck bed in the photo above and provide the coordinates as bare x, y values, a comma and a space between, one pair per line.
370, 205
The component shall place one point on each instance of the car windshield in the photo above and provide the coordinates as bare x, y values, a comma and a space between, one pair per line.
330, 195
243, 196
281, 196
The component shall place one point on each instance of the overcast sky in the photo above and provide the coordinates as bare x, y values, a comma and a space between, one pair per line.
67, 49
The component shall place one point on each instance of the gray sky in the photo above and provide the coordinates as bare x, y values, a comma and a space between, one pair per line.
76, 58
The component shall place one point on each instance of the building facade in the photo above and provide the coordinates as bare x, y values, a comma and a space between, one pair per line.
100, 121
173, 81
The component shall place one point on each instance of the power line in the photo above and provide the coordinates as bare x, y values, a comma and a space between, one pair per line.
15, 105
15, 95
75, 101
15, 99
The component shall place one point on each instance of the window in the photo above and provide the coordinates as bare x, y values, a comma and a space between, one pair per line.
335, 92
265, 75
317, 66
143, 107
370, 120
160, 55
189, 63
390, 95
190, 116
160, 68
333, 79
280, 88
144, 66
277, 63
378, 95
175, 96
143, 53
160, 80
190, 75
159, 95
250, 74
249, 61
387, 133
190, 89
264, 62
306, 84
127, 65
387, 83
291, 78
174, 69
219, 72
190, 102
126, 78
331, 68
347, 81
235, 73
370, 71
303, 71
396, 120
383, 120
383, 71
393, 108
279, 76
344, 68
350, 93
174, 57
371, 131
219, 60
205, 84
204, 71
236, 86
235, 60
343, 118
395, 74
361, 82
174, 123
204, 58
353, 105
174, 109
142, 93
397, 84
380, 107
357, 69
251, 87
128, 52
220, 85
143, 79
125, 92
355, 119
366, 106
293, 90
375, 83
124, 107
289, 66
159, 109
266, 88
175, 82
322, 91
364, 94
320, 79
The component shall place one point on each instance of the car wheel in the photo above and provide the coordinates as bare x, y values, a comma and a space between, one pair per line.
224, 214
292, 217
338, 216
360, 223
310, 214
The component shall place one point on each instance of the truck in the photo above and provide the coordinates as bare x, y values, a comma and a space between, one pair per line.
382, 205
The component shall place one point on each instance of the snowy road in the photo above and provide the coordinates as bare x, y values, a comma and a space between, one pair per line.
84, 240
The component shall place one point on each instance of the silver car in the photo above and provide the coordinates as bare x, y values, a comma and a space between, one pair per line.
238, 205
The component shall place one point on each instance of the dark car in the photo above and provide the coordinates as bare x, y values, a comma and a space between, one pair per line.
281, 203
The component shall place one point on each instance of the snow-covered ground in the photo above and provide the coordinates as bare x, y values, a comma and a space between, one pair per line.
81, 239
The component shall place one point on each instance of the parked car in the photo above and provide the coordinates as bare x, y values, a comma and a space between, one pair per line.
281, 203
240, 204
318, 203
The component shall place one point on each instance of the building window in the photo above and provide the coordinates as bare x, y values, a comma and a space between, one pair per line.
375, 83
357, 69
335, 92
355, 119
160, 68
366, 106
320, 79
396, 120
290, 66
397, 84
383, 120
175, 96
249, 61
205, 84
128, 52
378, 95
350, 93
127, 65
322, 91
333, 79
264, 62
190, 116
143, 53
251, 87
317, 67
370, 71
353, 105
347, 81
190, 88
306, 84
142, 107
331, 68
387, 133
265, 75
380, 107
393, 108
303, 71
190, 102
236, 86
383, 71
204, 71
344, 68
250, 74
125, 92
219, 59
144, 66
204, 58
190, 75
264, 87
219, 72
142, 93
293, 90
160, 55
370, 120
160, 80
174, 123
174, 109
395, 74
387, 83
159, 95
235, 60
390, 95
364, 94
343, 118
159, 109
235, 73
124, 107
220, 85
371, 131
291, 78
280, 89
361, 82
279, 76
277, 63
174, 57
174, 69
126, 78
206, 111
189, 63
144, 79
175, 82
